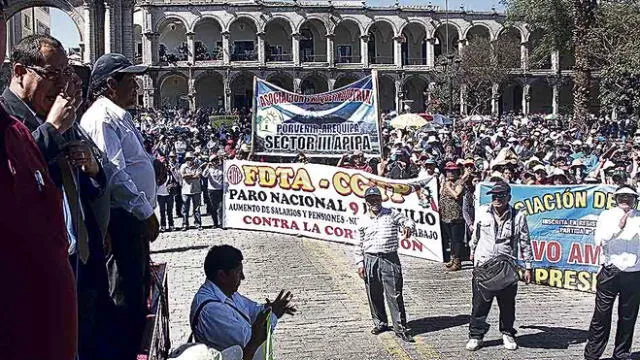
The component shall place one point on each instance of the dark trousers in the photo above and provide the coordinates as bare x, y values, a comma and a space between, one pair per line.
129, 279
166, 210
178, 199
215, 196
481, 304
612, 284
187, 201
383, 275
453, 236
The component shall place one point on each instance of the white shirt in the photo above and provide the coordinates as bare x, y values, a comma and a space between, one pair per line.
620, 247
113, 131
214, 175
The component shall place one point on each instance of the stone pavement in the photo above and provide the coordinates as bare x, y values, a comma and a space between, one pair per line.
333, 319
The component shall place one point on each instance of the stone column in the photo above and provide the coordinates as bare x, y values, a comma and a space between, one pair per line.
109, 26
330, 50
296, 85
397, 51
555, 99
148, 91
227, 94
461, 44
526, 98
463, 101
364, 51
331, 84
191, 46
524, 55
398, 96
432, 88
495, 99
155, 48
147, 52
89, 36
295, 48
261, 50
431, 54
118, 26
128, 42
226, 49
555, 60
192, 91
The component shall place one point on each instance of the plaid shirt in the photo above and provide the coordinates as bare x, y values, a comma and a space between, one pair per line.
379, 233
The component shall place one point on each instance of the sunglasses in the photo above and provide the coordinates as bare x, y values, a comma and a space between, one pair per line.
499, 196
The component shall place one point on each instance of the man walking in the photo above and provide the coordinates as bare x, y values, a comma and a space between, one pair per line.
191, 191
133, 225
617, 232
379, 265
498, 232
213, 172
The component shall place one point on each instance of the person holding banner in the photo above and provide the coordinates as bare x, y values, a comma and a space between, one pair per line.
379, 265
499, 231
618, 233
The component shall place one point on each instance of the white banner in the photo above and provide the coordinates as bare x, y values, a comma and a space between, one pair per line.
326, 202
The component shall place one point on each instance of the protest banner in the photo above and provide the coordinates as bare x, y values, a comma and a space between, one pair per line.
562, 221
223, 120
326, 202
328, 124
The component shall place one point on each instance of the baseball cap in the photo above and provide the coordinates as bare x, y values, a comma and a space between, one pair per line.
113, 63
372, 191
500, 187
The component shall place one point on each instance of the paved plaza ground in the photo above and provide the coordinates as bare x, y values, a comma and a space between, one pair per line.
333, 320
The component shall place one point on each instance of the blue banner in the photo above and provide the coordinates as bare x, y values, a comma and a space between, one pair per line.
327, 124
562, 221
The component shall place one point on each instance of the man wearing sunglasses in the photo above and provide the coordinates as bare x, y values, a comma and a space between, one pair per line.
498, 230
618, 233
378, 264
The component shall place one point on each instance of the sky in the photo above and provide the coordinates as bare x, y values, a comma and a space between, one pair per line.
65, 30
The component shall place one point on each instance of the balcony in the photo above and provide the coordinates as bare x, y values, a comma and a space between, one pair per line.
246, 56
279, 57
313, 58
414, 61
348, 60
379, 60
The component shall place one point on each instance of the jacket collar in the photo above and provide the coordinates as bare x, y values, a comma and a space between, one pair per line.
19, 109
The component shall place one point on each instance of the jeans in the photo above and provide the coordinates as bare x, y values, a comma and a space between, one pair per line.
166, 210
612, 284
187, 200
478, 326
215, 196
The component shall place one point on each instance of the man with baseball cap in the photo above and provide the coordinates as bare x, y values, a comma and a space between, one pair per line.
617, 233
379, 265
112, 90
498, 233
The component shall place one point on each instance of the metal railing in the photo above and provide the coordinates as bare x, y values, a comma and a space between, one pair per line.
381, 59
245, 57
279, 57
414, 61
348, 59
313, 58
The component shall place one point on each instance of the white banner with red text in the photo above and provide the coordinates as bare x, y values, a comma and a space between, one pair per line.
326, 202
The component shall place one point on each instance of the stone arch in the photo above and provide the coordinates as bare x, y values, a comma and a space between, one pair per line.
209, 86
243, 39
313, 44
208, 38
345, 79
276, 18
73, 8
282, 80
313, 18
277, 39
427, 26
256, 23
241, 85
348, 18
441, 40
174, 87
510, 39
172, 42
163, 21
347, 41
314, 83
386, 93
415, 88
381, 42
377, 20
478, 29
414, 47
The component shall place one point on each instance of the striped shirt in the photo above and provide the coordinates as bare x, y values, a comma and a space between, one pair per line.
379, 233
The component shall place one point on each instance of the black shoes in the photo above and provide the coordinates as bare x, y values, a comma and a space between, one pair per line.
405, 337
379, 329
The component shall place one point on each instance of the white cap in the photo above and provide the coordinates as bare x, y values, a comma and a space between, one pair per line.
539, 167
432, 139
577, 142
626, 190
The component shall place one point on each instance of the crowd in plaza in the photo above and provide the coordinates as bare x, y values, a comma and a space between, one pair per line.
80, 188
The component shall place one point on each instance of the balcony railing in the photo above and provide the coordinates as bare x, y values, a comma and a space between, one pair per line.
279, 57
348, 59
381, 59
313, 58
414, 61
173, 57
209, 56
253, 56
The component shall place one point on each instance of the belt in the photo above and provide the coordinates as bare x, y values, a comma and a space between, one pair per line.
383, 253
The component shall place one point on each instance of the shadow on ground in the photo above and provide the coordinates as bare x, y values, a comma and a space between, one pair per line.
436, 323
548, 338
179, 249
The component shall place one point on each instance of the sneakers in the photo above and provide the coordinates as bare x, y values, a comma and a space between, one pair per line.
474, 344
509, 342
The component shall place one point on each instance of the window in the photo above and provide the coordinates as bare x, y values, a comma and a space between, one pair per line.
42, 28
45, 9
344, 53
27, 21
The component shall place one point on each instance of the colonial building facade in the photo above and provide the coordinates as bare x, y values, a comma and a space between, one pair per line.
206, 53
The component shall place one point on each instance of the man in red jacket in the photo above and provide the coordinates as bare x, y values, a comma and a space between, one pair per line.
38, 312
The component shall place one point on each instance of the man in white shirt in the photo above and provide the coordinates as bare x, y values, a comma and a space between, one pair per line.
618, 234
133, 225
221, 318
191, 172
213, 173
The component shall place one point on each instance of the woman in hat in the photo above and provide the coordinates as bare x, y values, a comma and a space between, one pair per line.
451, 219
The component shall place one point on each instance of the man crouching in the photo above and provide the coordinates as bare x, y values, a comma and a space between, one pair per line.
221, 318
498, 232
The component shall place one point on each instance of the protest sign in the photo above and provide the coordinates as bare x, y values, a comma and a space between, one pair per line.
328, 124
562, 221
326, 202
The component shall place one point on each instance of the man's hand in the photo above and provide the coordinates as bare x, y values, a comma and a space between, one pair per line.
527, 277
62, 113
281, 306
406, 233
80, 155
361, 272
152, 228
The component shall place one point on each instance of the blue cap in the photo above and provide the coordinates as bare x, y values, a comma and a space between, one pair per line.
373, 190
111, 64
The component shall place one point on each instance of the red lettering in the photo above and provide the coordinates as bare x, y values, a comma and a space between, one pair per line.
575, 255
247, 219
592, 254
554, 251
538, 249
